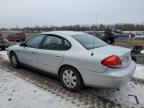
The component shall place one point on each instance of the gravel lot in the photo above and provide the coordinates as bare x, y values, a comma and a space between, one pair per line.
128, 96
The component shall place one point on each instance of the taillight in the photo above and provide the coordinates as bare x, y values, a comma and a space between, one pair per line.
112, 62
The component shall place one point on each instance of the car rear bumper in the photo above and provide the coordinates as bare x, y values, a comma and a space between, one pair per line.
113, 79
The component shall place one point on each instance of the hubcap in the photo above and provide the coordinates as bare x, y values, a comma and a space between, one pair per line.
14, 60
69, 78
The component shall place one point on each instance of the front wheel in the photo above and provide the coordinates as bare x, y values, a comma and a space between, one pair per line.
14, 60
2, 48
71, 79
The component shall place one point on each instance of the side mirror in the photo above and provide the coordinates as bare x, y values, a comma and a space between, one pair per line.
23, 44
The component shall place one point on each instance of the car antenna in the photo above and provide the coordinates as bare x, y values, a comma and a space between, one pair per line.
93, 42
94, 34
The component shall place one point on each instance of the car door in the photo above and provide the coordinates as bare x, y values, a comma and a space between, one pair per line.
28, 53
51, 54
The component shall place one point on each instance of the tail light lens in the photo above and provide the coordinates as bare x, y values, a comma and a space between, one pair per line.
112, 62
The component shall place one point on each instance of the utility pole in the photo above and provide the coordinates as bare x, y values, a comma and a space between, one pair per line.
96, 21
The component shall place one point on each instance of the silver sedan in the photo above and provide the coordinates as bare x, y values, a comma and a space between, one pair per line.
77, 58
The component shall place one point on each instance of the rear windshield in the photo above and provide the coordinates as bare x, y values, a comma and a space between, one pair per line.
89, 41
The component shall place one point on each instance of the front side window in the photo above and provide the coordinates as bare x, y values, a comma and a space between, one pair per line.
35, 41
89, 41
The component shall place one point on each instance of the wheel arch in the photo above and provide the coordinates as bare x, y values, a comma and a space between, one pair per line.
66, 65
11, 52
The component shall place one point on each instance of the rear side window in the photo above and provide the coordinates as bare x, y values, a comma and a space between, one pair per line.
67, 44
56, 43
35, 41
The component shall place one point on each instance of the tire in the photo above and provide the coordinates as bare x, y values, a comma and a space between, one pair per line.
14, 60
71, 79
23, 40
3, 48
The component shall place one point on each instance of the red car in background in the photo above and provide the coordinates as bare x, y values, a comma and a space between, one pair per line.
16, 36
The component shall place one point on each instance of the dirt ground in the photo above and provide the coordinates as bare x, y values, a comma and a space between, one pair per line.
130, 43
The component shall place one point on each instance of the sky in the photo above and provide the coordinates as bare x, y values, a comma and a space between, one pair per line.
69, 12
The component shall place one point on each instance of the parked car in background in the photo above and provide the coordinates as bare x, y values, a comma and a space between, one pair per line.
139, 35
3, 43
100, 35
16, 36
117, 31
77, 58
122, 35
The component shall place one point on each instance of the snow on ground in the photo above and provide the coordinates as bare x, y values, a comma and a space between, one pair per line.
17, 93
126, 96
139, 73
3, 54
142, 52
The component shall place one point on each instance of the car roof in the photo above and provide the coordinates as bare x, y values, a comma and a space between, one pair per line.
63, 33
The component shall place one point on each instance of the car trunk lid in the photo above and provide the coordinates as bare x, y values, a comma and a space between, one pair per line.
106, 51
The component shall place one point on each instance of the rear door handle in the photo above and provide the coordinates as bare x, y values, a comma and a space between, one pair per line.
58, 56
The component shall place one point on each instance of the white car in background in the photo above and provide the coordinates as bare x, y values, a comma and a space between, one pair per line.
139, 35
77, 58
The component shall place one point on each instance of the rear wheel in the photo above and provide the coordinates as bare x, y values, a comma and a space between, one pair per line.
71, 79
14, 60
